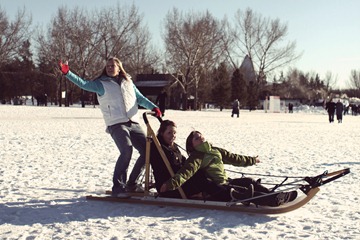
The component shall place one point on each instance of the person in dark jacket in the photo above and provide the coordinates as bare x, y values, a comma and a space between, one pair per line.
339, 111
197, 185
330, 107
235, 108
161, 101
210, 161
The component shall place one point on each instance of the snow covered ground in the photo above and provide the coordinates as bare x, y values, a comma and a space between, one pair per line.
51, 158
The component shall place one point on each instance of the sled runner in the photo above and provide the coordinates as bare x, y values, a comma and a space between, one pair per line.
308, 186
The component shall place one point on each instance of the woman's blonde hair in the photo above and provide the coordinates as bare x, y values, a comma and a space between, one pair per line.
119, 63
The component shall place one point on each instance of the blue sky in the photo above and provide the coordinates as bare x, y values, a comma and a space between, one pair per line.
326, 31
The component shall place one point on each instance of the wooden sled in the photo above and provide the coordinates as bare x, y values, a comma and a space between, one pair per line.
309, 190
213, 205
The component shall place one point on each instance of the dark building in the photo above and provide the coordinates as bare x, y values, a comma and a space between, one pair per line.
150, 85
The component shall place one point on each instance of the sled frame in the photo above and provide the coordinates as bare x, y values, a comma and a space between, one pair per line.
310, 189
212, 205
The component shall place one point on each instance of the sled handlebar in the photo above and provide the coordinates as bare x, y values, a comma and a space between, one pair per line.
152, 114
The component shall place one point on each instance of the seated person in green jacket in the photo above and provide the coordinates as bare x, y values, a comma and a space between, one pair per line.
210, 160
198, 184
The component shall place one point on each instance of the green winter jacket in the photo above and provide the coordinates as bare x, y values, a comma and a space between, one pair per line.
211, 160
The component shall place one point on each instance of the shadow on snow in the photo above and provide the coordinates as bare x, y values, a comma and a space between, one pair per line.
79, 209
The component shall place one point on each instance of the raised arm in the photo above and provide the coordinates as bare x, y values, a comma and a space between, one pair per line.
236, 159
91, 86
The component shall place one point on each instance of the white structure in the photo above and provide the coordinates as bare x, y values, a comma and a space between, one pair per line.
274, 104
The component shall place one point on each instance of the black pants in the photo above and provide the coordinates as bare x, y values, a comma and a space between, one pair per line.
245, 182
222, 192
331, 116
199, 184
259, 190
195, 185
215, 192
235, 111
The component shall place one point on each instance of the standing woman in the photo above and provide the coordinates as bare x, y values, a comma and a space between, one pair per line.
119, 99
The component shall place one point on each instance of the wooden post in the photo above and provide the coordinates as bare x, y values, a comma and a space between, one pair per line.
151, 136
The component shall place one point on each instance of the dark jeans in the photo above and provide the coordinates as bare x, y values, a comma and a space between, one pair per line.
126, 136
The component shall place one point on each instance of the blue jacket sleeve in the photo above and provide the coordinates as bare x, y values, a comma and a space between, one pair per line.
91, 86
142, 100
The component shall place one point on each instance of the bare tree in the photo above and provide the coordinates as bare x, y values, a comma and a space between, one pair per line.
144, 57
13, 34
194, 44
354, 81
262, 39
87, 39
114, 32
329, 81
67, 39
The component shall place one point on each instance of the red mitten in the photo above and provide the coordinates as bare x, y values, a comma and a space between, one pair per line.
64, 67
157, 112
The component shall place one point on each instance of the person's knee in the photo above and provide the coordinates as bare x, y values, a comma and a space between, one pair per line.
141, 147
126, 152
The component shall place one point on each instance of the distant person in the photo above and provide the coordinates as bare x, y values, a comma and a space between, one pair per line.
235, 108
330, 107
354, 109
346, 109
119, 99
161, 101
291, 106
339, 111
